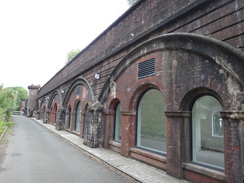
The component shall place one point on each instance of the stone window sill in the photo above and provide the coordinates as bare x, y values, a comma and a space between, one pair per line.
114, 143
149, 154
205, 171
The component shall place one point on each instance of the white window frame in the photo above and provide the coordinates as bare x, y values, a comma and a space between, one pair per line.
213, 126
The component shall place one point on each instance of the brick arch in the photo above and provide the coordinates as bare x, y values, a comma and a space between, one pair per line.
53, 113
86, 107
43, 109
53, 105
113, 103
228, 58
75, 104
41, 102
138, 93
77, 82
54, 94
192, 95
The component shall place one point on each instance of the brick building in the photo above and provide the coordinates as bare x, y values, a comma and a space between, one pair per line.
31, 103
24, 104
164, 85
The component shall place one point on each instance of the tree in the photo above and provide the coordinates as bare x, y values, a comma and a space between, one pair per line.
71, 54
132, 2
10, 100
7, 103
21, 93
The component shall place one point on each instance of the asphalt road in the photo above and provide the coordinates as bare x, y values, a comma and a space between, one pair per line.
34, 154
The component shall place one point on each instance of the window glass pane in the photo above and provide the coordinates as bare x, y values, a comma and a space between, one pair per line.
206, 148
217, 125
151, 122
77, 117
117, 128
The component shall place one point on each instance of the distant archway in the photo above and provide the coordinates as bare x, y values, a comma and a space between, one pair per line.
77, 82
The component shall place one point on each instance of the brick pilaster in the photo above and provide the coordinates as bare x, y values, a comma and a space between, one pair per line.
128, 132
108, 117
177, 141
233, 140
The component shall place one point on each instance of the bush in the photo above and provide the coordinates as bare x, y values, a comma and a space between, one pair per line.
2, 115
4, 125
10, 100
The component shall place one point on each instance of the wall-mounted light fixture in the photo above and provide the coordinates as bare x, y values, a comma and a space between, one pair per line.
61, 91
97, 76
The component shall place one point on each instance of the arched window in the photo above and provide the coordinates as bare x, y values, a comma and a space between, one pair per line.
207, 131
117, 123
151, 122
68, 118
55, 113
77, 117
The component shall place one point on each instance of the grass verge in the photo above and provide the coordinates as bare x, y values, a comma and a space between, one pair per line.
5, 127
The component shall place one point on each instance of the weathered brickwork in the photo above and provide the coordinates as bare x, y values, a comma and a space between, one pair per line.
197, 46
150, 22
32, 99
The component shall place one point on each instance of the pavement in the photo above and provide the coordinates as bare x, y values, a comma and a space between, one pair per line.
137, 170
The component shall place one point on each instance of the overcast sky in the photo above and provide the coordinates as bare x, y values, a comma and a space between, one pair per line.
36, 35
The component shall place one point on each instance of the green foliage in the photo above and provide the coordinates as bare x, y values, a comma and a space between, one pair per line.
71, 54
10, 100
21, 93
4, 126
152, 114
2, 115
7, 103
132, 2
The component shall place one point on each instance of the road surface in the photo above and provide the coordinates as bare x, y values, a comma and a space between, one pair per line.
36, 155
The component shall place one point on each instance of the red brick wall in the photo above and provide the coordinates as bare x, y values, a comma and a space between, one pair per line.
186, 67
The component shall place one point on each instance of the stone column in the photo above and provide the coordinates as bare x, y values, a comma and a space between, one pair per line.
177, 141
94, 125
234, 145
61, 118
38, 114
108, 127
128, 132
67, 117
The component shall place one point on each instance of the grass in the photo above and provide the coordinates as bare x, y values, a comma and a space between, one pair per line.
4, 126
